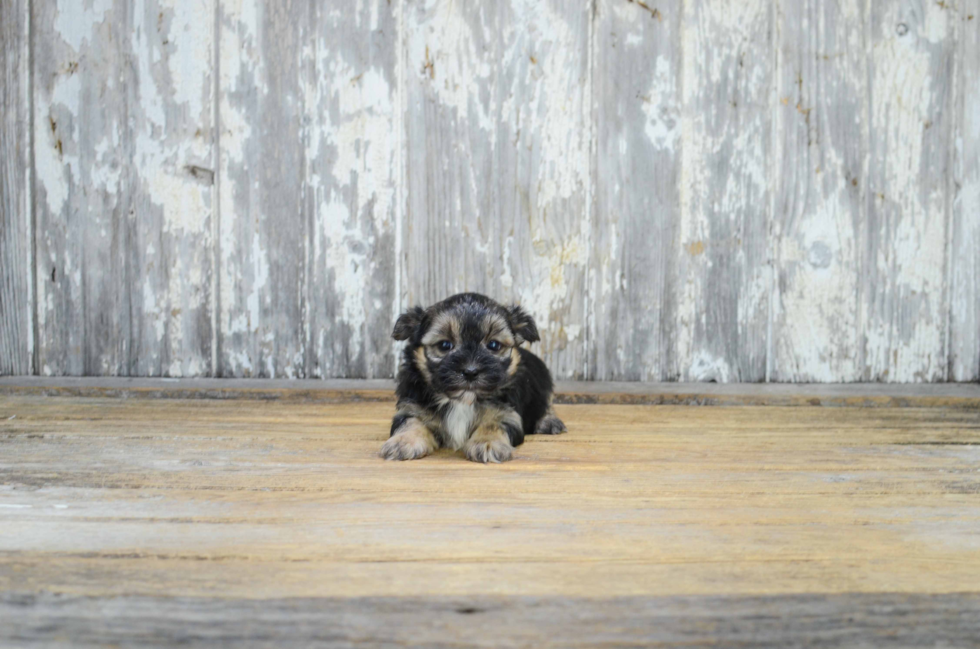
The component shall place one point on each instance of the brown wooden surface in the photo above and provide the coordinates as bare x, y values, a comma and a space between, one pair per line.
114, 511
780, 622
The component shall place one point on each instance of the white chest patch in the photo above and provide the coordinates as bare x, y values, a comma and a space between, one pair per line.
458, 423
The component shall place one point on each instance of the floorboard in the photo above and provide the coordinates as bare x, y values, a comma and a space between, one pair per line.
143, 522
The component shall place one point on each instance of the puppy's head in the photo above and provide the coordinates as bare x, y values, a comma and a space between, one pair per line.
466, 346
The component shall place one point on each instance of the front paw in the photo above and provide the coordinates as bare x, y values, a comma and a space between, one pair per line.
550, 425
489, 447
409, 444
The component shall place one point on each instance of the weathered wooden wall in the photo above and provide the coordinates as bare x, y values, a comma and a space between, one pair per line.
730, 190
16, 235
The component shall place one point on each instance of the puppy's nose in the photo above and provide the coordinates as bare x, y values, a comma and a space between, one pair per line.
470, 372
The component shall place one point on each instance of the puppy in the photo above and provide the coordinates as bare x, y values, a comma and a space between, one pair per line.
466, 383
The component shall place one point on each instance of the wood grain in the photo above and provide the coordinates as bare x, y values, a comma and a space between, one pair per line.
258, 523
904, 286
16, 236
895, 620
352, 145
721, 277
270, 500
637, 103
683, 190
308, 189
124, 166
497, 161
964, 248
819, 229
265, 73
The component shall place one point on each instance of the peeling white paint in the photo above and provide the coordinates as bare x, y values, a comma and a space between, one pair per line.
54, 162
75, 20
515, 71
705, 367
452, 60
346, 266
547, 297
364, 140
191, 35
239, 60
557, 104
817, 318
660, 107
723, 55
964, 248
260, 276
905, 342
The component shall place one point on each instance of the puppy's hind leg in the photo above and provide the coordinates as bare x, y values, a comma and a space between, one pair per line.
410, 439
550, 424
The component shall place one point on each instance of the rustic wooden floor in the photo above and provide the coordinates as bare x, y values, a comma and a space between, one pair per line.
142, 522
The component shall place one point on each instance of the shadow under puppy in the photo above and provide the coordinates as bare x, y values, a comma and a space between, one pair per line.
466, 383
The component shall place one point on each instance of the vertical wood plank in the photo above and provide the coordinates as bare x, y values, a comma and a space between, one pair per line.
721, 275
497, 136
905, 299
636, 77
820, 182
964, 303
351, 145
265, 61
123, 156
16, 305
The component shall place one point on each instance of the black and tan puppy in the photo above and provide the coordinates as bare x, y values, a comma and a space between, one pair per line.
466, 383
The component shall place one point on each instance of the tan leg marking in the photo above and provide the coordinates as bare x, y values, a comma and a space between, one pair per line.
489, 444
412, 441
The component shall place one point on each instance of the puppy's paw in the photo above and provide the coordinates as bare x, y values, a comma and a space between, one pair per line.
488, 446
550, 425
410, 443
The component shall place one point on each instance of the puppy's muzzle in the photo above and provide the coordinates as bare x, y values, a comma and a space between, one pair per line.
470, 372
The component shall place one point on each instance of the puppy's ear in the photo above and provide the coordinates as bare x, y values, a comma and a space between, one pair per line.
522, 325
408, 323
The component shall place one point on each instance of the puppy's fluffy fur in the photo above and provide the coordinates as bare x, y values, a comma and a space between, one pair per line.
466, 383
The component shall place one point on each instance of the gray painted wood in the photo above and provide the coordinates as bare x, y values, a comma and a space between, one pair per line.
819, 228
637, 99
792, 620
352, 142
308, 148
964, 250
721, 276
904, 287
16, 297
727, 191
123, 161
265, 68
497, 161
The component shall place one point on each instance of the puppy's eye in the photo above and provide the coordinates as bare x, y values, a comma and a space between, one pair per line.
493, 346
445, 345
